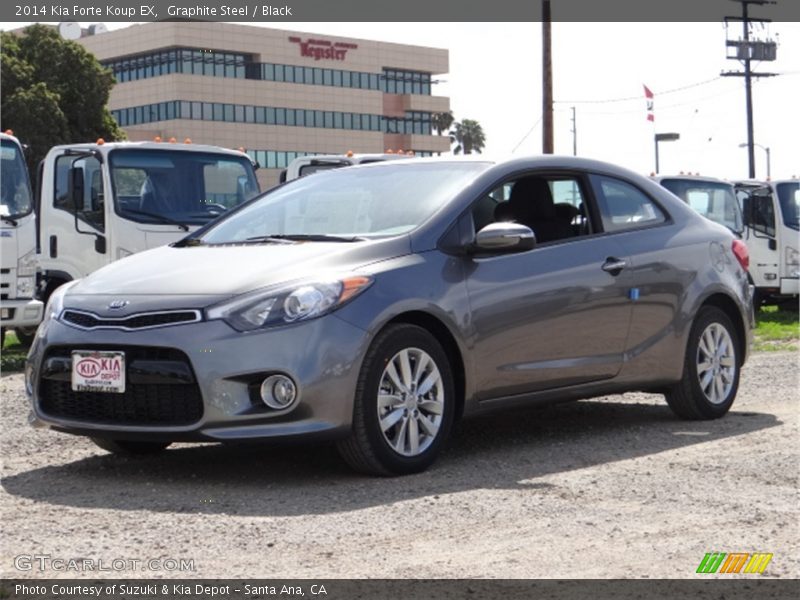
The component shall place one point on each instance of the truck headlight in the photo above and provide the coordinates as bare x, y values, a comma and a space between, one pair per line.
26, 265
288, 304
25, 287
792, 256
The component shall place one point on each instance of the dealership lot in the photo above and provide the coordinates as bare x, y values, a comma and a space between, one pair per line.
610, 488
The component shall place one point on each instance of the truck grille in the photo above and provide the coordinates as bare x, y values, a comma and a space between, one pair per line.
172, 402
86, 320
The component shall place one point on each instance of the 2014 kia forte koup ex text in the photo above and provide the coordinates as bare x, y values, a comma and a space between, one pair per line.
375, 305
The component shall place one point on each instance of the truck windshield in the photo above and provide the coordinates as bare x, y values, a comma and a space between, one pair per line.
789, 198
715, 201
189, 187
16, 199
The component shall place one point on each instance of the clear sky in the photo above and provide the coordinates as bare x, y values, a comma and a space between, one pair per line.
495, 78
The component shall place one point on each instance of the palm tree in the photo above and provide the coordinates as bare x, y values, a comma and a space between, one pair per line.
442, 121
469, 136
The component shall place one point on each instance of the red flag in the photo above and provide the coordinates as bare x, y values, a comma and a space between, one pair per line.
648, 95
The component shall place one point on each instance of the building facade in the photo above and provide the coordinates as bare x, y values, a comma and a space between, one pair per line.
277, 94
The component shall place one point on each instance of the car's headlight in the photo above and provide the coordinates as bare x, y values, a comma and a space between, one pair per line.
288, 304
55, 304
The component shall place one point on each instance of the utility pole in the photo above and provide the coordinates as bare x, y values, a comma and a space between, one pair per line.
747, 50
547, 81
574, 134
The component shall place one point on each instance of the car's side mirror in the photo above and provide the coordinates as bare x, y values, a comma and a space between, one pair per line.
505, 237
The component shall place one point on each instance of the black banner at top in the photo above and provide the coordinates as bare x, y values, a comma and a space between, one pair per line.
248, 11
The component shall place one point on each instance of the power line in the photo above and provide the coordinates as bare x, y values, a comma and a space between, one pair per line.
630, 98
525, 137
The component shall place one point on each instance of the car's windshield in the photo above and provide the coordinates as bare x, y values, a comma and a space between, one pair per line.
16, 194
789, 197
158, 186
715, 201
373, 201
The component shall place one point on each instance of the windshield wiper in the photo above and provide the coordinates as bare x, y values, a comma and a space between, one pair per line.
306, 237
10, 220
160, 218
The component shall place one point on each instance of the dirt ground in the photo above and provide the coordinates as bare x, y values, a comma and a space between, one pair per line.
610, 488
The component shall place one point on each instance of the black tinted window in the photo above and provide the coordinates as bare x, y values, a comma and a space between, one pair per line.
623, 206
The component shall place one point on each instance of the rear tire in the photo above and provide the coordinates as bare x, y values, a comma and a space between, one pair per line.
711, 368
129, 447
404, 404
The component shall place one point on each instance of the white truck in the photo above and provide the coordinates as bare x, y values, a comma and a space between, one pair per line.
713, 198
772, 233
306, 165
101, 202
20, 310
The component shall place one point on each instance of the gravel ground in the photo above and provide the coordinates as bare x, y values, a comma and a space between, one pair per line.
609, 488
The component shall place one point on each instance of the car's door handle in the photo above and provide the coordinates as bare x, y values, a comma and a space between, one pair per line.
613, 265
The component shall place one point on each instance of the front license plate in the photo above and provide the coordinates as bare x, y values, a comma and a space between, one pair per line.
98, 371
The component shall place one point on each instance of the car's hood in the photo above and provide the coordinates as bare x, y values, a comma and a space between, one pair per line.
232, 269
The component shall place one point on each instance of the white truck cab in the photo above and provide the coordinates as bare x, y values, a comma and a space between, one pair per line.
306, 165
101, 202
20, 311
772, 233
713, 198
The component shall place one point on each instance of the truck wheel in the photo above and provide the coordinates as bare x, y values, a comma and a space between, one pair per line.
25, 335
404, 404
129, 447
711, 368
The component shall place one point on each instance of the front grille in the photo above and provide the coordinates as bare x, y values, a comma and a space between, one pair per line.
175, 403
85, 320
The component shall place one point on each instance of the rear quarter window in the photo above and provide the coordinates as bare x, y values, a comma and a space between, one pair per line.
624, 206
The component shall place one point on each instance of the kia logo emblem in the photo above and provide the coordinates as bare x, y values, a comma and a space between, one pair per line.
117, 304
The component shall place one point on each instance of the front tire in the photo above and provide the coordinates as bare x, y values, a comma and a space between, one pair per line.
130, 447
404, 404
25, 335
711, 368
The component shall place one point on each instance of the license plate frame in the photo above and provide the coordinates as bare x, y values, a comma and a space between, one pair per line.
98, 371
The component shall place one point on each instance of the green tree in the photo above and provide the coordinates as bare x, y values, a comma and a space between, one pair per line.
442, 121
53, 91
468, 136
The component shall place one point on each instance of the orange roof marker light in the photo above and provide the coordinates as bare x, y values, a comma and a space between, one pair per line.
349, 154
157, 139
9, 132
410, 153
187, 141
389, 151
100, 141
241, 149
400, 151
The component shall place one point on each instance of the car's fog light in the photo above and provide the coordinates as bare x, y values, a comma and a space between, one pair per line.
278, 391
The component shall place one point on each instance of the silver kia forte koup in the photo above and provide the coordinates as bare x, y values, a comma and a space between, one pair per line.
375, 305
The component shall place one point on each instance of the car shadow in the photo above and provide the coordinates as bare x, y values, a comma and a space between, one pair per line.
508, 451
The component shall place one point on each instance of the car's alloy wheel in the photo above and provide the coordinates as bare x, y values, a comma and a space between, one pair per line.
711, 368
716, 363
404, 404
411, 401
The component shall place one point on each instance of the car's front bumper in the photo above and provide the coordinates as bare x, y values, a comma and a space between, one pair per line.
322, 356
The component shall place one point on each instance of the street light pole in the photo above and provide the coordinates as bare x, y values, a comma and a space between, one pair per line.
766, 151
